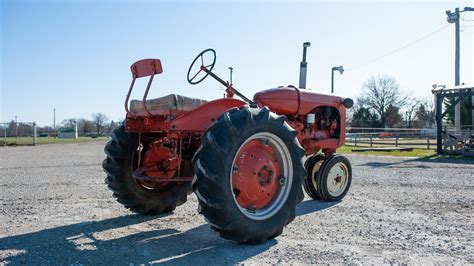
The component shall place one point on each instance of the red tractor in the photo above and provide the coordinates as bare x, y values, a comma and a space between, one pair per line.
244, 159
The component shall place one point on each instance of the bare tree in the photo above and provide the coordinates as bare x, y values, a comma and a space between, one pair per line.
11, 128
45, 130
25, 130
68, 122
85, 126
425, 115
100, 121
380, 93
113, 125
411, 106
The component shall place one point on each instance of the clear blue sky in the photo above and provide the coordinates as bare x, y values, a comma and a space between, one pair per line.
75, 55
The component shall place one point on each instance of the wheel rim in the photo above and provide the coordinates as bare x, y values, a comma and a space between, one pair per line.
337, 179
314, 173
261, 176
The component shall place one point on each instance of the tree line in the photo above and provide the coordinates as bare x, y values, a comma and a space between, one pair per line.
383, 105
99, 125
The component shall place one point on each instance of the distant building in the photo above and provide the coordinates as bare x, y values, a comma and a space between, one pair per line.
68, 133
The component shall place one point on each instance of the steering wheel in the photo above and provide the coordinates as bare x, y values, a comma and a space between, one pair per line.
192, 80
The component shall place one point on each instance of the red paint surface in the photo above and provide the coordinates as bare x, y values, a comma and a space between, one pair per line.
257, 177
296, 104
293, 101
201, 118
146, 67
160, 162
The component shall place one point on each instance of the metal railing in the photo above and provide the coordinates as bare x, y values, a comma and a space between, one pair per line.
420, 138
18, 133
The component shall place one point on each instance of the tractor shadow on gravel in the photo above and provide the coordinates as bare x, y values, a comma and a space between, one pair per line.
122, 240
311, 206
423, 162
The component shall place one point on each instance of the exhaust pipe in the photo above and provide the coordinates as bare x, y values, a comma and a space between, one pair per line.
304, 67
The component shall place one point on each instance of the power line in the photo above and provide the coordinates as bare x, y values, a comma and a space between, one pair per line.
398, 49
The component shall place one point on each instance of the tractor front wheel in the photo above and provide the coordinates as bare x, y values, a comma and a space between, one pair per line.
310, 184
334, 178
248, 175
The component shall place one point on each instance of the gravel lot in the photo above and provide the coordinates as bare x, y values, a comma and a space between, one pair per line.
55, 209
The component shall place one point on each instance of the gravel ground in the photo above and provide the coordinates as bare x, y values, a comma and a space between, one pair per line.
55, 209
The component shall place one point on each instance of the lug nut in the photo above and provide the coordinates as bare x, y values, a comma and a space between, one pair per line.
282, 180
252, 209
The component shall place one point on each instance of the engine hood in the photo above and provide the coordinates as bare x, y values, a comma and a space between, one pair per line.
294, 101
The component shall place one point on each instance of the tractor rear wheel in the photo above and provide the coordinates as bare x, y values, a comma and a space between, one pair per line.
248, 175
334, 178
310, 183
142, 198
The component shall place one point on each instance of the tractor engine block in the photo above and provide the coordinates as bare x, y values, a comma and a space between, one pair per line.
321, 124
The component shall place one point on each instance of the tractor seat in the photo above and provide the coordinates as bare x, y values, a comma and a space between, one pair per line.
169, 102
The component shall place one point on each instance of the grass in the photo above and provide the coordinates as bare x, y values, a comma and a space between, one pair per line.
414, 153
48, 140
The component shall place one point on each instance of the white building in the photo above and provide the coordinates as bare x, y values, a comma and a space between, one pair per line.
68, 132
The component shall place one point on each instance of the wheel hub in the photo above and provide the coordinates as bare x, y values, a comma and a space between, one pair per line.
255, 175
265, 176
337, 179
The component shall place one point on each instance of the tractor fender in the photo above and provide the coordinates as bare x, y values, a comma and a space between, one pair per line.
200, 118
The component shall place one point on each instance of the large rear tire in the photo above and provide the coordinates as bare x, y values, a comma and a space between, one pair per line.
120, 151
248, 175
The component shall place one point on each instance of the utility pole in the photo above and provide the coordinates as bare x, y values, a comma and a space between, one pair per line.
54, 123
457, 110
304, 66
472, 98
16, 126
454, 18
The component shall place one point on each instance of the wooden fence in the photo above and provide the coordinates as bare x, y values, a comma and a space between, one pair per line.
406, 138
